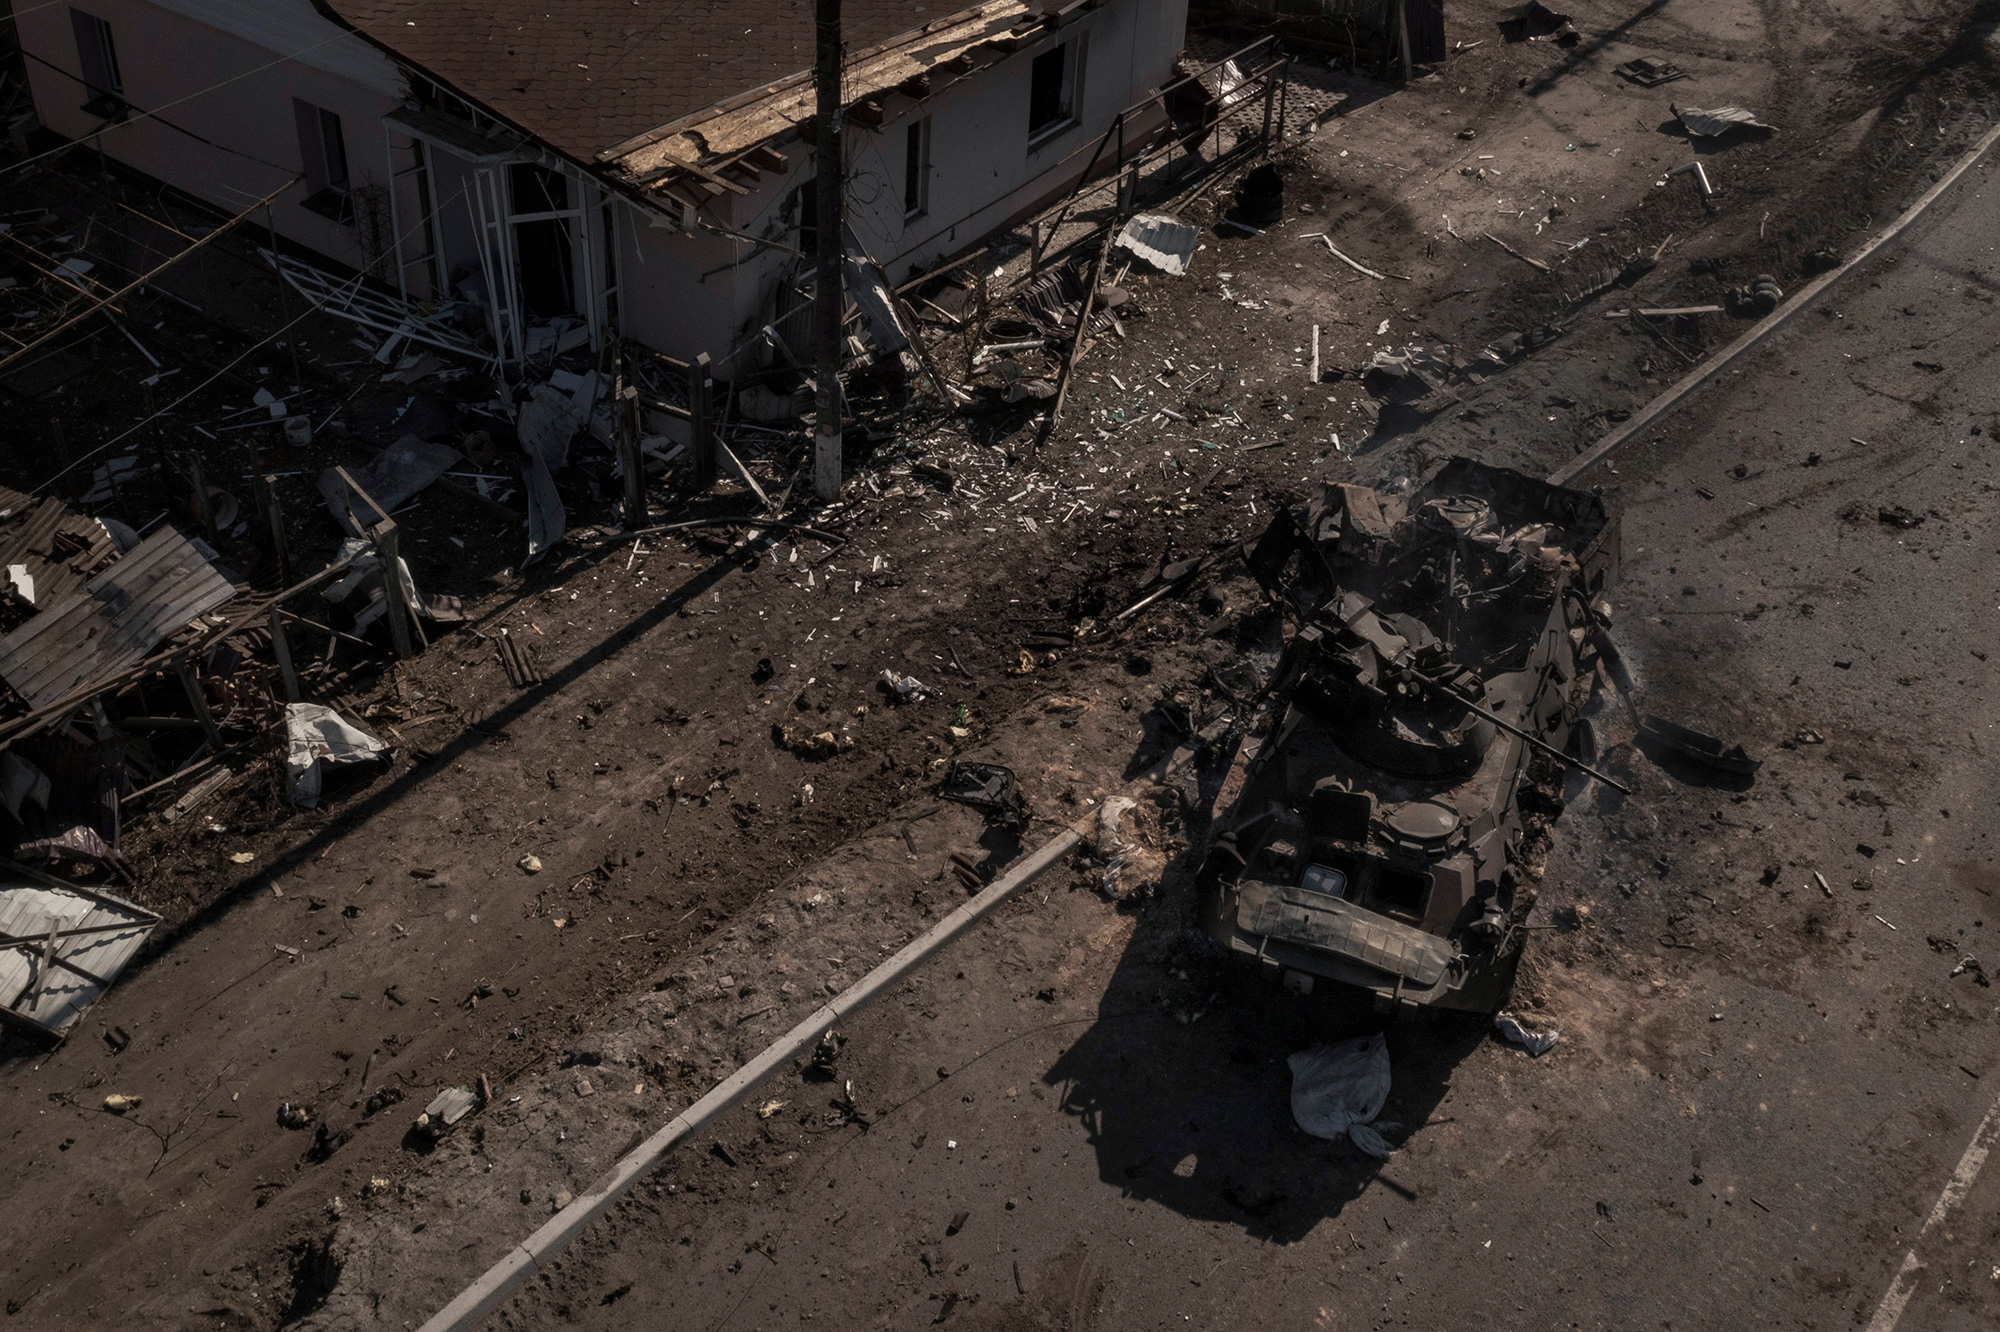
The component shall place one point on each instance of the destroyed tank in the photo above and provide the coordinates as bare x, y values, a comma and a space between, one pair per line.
1375, 841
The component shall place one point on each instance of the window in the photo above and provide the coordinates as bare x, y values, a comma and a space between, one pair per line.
99, 61
917, 169
804, 207
1052, 89
323, 150
544, 248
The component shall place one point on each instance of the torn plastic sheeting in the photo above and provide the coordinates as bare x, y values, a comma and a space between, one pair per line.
547, 520
367, 568
1399, 361
80, 842
905, 687
1338, 1090
397, 473
317, 737
1535, 1035
878, 308
1162, 240
1720, 120
546, 424
1225, 84
550, 418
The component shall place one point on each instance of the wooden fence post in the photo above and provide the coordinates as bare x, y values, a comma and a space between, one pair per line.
282, 648
198, 701
630, 460
383, 534
267, 505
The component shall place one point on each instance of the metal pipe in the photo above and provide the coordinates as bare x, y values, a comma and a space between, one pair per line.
1506, 725
472, 1304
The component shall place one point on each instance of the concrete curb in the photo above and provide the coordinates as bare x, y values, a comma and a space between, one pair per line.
1659, 407
472, 1304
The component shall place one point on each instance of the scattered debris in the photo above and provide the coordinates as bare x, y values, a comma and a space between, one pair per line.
1717, 122
1535, 1035
989, 788
61, 947
1533, 263
112, 621
394, 478
444, 1112
904, 688
1700, 173
1109, 847
522, 662
809, 742
294, 1116
1649, 72
826, 1052
1759, 296
1538, 23
1260, 200
1162, 240
1703, 749
1338, 1089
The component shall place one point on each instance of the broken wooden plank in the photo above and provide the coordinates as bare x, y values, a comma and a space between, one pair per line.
1516, 253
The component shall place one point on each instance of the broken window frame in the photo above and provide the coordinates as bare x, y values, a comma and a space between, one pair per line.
1047, 122
97, 60
323, 157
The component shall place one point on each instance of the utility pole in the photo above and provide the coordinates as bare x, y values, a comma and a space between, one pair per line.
829, 299
1403, 37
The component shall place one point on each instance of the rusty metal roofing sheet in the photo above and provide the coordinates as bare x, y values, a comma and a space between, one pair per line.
116, 619
47, 984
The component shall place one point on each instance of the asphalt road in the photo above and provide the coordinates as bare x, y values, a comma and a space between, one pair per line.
1762, 1090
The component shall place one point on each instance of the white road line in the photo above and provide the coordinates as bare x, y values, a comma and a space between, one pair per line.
1890, 1311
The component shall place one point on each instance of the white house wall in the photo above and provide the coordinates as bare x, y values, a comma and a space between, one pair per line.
228, 71
984, 174
232, 91
667, 303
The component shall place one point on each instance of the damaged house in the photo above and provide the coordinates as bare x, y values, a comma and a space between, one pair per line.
519, 179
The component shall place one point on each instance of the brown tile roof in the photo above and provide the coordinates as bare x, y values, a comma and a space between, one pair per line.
583, 75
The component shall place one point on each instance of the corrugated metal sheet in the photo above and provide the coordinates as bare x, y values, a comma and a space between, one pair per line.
116, 619
59, 549
97, 935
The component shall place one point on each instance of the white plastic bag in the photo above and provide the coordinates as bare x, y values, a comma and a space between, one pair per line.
1339, 1089
316, 736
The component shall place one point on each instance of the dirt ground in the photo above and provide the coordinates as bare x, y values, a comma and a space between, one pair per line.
700, 886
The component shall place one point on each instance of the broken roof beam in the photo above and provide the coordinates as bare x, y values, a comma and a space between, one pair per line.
741, 123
